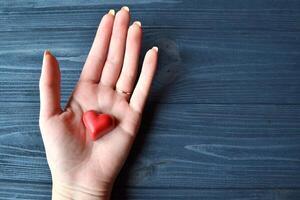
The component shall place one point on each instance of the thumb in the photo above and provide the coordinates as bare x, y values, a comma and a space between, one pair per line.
49, 87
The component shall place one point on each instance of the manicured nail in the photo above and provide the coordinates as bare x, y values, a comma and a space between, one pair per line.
155, 48
47, 52
125, 8
138, 23
112, 12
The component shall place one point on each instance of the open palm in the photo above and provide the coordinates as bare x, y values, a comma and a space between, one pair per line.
106, 85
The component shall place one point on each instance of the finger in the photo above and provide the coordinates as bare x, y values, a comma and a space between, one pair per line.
98, 53
142, 88
49, 87
129, 70
116, 50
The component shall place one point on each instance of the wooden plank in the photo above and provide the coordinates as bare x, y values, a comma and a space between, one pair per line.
87, 17
179, 146
203, 67
24, 190
157, 4
196, 194
32, 191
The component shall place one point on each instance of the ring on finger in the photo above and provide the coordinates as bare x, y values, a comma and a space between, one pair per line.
123, 92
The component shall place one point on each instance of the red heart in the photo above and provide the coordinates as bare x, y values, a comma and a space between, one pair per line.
98, 124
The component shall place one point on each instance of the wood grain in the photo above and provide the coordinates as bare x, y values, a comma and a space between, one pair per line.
193, 146
215, 67
31, 191
223, 118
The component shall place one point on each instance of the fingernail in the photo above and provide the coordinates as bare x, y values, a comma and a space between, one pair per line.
47, 52
111, 12
155, 48
125, 8
138, 23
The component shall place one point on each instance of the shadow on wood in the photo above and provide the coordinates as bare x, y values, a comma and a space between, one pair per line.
165, 75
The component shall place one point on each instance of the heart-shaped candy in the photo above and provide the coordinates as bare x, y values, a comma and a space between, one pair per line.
98, 124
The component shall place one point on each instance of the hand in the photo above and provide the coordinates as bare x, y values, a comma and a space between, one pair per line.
82, 168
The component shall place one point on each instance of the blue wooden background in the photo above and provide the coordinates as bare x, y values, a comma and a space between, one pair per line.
223, 120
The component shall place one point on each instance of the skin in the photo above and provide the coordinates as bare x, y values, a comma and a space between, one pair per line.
82, 168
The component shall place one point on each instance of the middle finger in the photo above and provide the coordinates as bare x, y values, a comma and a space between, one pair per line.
116, 50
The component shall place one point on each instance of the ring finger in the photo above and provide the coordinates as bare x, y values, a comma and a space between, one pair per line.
128, 74
116, 49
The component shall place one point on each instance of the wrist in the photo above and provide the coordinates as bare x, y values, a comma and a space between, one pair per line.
74, 191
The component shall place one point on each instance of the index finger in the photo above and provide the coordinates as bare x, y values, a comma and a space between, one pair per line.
98, 53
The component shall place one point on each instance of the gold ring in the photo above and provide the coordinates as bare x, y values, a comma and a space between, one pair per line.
123, 92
